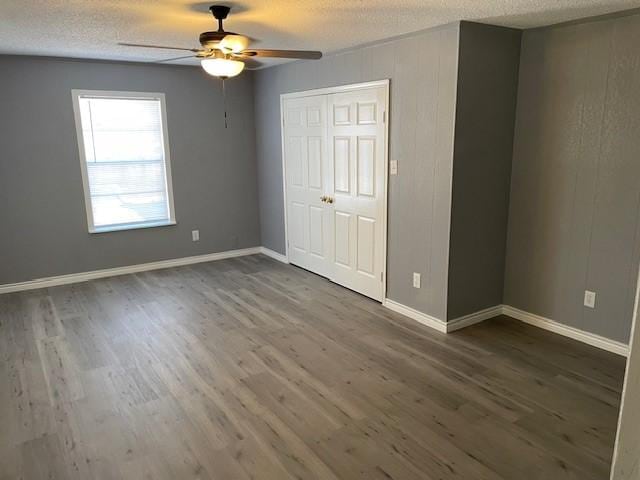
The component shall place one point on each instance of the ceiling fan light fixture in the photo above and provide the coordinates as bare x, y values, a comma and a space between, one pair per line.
222, 67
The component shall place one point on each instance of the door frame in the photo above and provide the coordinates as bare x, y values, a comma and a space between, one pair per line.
342, 89
626, 399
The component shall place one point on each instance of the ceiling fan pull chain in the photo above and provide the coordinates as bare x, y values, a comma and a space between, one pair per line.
224, 102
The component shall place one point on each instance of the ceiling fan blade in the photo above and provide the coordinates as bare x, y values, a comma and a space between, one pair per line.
174, 58
234, 43
195, 50
303, 54
251, 64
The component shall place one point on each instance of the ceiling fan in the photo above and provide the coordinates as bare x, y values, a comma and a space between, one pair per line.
226, 54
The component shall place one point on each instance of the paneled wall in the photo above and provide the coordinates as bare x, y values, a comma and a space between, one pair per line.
423, 73
574, 221
485, 116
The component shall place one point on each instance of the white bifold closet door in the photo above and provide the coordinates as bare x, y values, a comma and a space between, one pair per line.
334, 151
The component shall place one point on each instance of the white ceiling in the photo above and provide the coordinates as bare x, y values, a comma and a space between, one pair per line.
92, 28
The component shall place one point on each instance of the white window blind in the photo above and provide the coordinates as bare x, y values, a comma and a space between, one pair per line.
124, 155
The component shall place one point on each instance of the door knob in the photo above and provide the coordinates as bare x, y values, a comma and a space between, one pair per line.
329, 200
323, 198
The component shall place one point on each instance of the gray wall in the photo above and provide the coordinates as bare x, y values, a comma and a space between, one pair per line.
43, 226
423, 73
485, 116
574, 220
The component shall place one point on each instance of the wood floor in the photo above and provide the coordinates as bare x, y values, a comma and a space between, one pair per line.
247, 368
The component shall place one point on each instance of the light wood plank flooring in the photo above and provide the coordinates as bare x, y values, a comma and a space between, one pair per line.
251, 369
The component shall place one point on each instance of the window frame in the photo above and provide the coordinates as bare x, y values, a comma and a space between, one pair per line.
76, 95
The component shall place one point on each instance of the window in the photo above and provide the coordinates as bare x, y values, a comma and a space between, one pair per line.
124, 156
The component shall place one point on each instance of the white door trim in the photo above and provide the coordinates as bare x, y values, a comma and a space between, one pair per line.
336, 89
326, 91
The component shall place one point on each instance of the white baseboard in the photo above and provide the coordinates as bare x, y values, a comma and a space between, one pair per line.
473, 318
419, 317
441, 325
526, 317
567, 331
112, 272
273, 254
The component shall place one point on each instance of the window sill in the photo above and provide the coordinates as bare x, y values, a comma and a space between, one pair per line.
131, 226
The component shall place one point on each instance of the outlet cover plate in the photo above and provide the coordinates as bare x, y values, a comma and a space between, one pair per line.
589, 299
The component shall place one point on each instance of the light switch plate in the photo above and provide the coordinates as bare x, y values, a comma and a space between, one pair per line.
416, 280
195, 235
393, 167
589, 299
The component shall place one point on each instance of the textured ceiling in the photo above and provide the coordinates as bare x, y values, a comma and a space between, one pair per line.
92, 28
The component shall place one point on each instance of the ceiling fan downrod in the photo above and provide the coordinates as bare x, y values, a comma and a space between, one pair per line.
220, 12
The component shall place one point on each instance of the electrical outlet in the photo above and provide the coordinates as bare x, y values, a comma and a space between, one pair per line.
393, 167
195, 235
416, 280
589, 299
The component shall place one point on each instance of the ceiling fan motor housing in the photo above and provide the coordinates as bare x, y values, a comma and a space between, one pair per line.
211, 39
